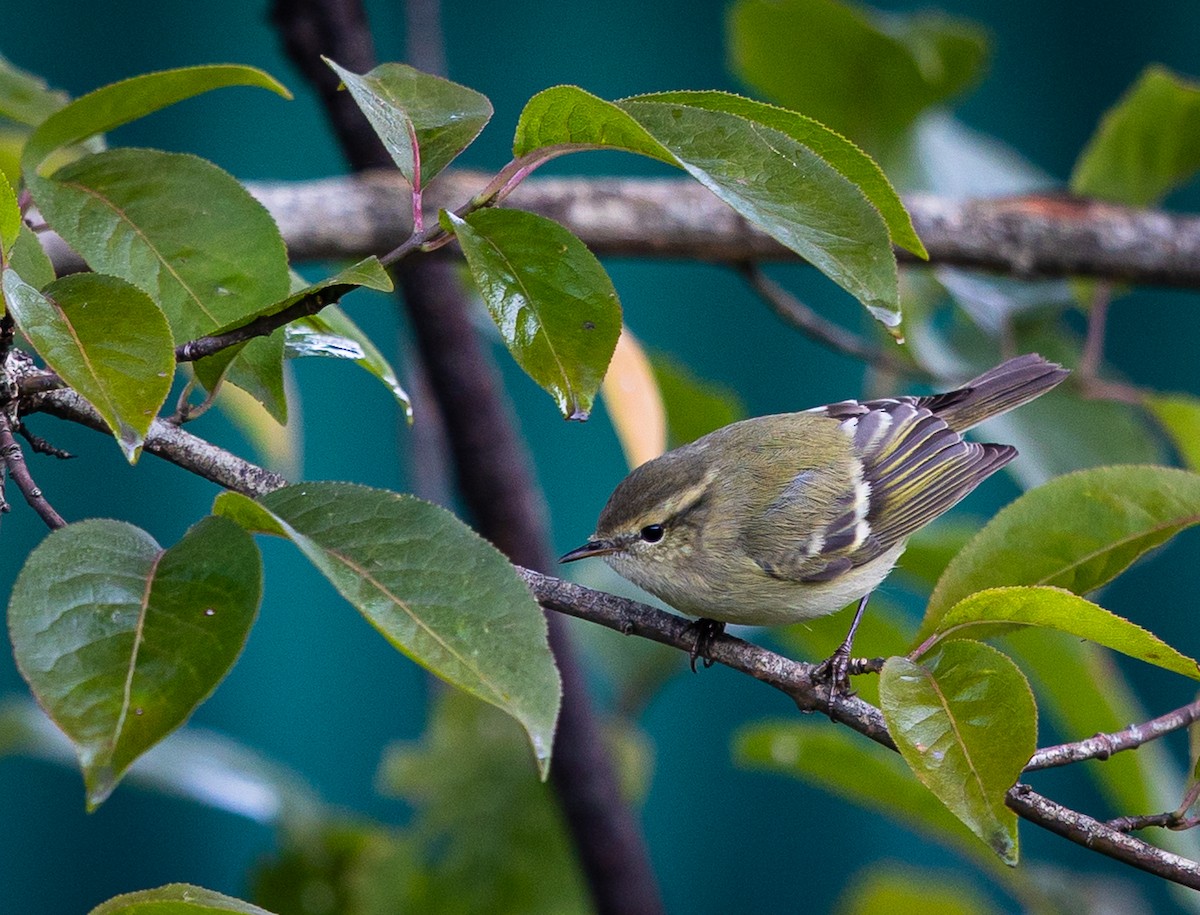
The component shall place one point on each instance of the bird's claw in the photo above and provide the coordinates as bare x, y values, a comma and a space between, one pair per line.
706, 631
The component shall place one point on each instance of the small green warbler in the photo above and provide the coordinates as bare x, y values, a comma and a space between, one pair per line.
793, 516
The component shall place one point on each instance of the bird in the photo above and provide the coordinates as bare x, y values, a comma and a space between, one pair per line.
783, 518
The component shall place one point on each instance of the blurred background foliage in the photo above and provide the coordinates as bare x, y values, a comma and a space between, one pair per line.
328, 775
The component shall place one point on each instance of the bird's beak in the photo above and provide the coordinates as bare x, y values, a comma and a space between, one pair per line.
591, 548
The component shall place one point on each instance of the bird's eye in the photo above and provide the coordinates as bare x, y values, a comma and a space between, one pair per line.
652, 533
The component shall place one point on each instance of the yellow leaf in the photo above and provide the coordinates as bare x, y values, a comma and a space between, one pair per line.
634, 403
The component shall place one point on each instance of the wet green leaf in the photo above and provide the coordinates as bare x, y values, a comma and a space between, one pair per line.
333, 335
789, 175
966, 724
119, 103
177, 227
424, 121
107, 340
120, 640
431, 586
555, 306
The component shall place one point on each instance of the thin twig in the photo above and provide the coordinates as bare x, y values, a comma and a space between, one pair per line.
14, 460
41, 446
1171, 820
1097, 327
1102, 746
822, 330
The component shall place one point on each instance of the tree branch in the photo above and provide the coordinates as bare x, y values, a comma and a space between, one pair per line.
1024, 237
793, 678
796, 680
1102, 746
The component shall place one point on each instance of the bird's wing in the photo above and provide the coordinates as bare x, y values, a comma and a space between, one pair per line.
916, 467
911, 467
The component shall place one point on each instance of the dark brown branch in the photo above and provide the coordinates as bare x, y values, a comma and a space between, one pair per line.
14, 460
262, 325
796, 680
490, 460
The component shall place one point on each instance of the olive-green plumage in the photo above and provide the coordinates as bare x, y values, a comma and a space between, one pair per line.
793, 516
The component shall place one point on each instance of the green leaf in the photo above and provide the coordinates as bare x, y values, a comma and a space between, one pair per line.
865, 73
177, 227
555, 306
107, 340
854, 164
10, 218
1146, 145
786, 189
175, 899
257, 368
119, 103
494, 837
1076, 532
997, 610
768, 164
333, 335
26, 98
694, 407
875, 779
932, 547
431, 586
566, 118
120, 640
29, 260
1178, 415
424, 121
966, 724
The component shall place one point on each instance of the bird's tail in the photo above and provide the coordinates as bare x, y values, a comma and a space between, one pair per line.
996, 391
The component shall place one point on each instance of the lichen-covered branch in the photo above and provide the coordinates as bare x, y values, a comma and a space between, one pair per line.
1030, 236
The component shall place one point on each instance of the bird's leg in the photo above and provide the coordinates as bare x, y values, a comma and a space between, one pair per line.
706, 630
837, 666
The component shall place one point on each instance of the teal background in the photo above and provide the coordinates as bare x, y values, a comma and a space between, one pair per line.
317, 688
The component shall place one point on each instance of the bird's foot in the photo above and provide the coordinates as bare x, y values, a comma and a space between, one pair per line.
836, 671
706, 631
